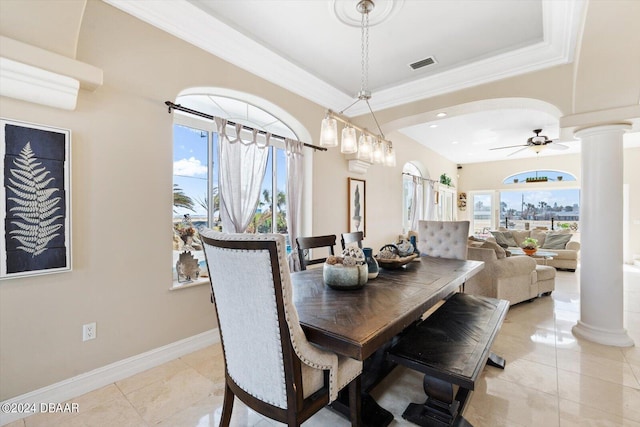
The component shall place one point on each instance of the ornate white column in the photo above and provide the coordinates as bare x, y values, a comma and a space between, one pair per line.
601, 277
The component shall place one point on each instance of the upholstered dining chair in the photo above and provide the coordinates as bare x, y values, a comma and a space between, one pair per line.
443, 239
306, 243
269, 364
355, 237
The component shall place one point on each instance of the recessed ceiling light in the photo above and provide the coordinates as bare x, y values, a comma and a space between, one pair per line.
454, 142
441, 114
433, 126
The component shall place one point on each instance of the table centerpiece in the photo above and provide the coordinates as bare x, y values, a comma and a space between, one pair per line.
346, 272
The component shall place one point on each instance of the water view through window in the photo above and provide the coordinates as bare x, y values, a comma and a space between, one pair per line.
520, 210
543, 208
196, 203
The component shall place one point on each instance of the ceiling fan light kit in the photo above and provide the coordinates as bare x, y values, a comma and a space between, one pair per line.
536, 143
370, 148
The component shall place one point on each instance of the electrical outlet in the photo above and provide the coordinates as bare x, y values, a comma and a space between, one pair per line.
89, 331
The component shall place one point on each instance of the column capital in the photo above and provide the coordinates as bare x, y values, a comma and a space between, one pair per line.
600, 129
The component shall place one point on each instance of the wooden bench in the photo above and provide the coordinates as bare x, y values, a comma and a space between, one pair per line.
451, 347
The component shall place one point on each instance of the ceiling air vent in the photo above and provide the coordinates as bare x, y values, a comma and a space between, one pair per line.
423, 63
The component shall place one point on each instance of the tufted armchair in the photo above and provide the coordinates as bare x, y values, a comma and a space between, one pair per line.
443, 239
269, 364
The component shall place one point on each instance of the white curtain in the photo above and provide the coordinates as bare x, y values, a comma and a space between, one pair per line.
430, 202
242, 167
416, 198
295, 174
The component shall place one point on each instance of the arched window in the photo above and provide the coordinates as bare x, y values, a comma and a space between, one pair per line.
196, 166
539, 176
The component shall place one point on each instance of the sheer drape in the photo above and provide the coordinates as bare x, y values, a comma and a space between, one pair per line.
295, 174
242, 168
430, 214
416, 197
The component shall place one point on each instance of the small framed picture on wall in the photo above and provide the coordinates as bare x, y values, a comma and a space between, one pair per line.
35, 199
357, 205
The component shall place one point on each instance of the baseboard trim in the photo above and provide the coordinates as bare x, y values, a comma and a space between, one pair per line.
105, 375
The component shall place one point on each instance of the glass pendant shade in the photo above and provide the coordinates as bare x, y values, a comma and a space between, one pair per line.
378, 153
365, 148
348, 141
390, 157
329, 132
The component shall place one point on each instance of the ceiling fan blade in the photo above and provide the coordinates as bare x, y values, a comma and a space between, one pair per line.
557, 146
509, 146
517, 151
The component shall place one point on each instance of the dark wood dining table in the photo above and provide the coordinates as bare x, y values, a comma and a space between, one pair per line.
362, 323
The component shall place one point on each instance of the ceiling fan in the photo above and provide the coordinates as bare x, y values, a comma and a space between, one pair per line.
536, 143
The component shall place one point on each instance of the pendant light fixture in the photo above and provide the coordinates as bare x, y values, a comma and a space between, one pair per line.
369, 147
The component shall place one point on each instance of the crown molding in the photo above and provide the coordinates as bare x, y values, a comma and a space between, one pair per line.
562, 25
36, 75
33, 84
90, 77
189, 23
562, 22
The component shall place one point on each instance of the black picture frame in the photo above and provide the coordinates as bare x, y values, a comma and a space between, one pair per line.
35, 199
357, 218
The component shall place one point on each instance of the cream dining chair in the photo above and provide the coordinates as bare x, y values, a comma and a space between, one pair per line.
269, 364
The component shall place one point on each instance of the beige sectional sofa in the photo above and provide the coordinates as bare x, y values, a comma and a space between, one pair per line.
515, 278
567, 257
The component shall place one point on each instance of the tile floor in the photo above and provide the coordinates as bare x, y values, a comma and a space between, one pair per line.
551, 379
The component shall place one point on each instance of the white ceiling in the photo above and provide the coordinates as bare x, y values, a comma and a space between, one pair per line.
310, 34
468, 138
312, 47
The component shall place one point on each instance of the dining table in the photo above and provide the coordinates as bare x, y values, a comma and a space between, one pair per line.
363, 323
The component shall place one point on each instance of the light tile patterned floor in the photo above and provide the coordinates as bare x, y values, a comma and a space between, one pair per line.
551, 379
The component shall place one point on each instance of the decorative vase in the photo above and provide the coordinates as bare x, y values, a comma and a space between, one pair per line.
412, 239
372, 265
339, 276
405, 248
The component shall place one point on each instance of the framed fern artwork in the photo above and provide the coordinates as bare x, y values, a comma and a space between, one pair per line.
34, 200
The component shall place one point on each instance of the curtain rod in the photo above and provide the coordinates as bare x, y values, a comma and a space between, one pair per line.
417, 176
179, 107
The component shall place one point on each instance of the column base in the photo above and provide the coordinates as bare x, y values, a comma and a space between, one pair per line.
616, 338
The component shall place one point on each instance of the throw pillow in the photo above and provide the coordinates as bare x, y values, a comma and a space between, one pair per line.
500, 253
504, 238
556, 241
539, 235
519, 236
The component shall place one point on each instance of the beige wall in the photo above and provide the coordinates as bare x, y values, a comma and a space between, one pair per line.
122, 163
121, 207
490, 175
383, 191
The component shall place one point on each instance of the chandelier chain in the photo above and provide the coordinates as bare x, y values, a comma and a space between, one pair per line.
379, 149
364, 84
